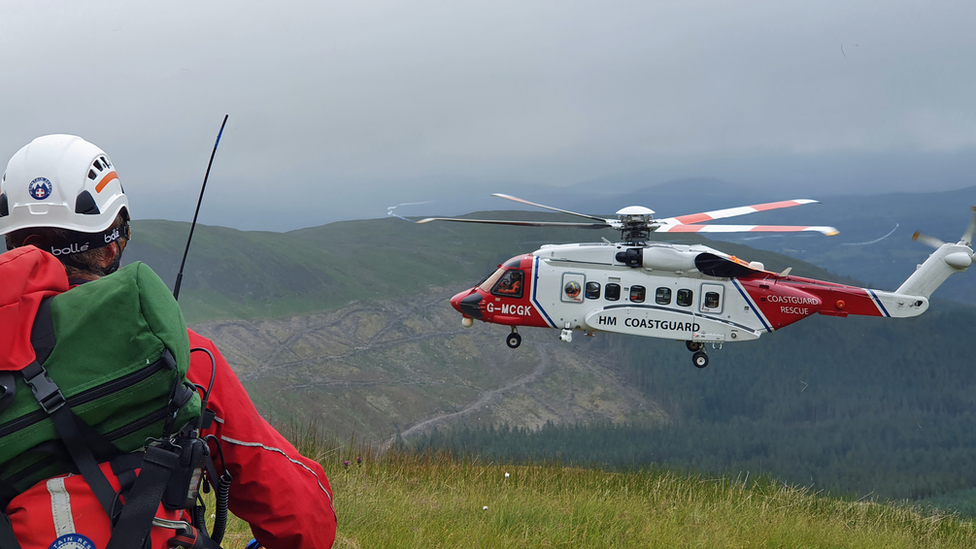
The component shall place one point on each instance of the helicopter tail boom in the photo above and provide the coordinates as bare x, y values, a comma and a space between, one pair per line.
946, 260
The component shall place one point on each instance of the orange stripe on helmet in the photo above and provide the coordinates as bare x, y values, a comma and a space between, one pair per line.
111, 176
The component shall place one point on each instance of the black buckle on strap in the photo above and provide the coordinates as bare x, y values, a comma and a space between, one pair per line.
47, 392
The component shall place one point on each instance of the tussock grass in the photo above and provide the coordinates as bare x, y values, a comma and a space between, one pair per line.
402, 499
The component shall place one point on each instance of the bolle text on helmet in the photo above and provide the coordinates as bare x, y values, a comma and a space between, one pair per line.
72, 248
113, 236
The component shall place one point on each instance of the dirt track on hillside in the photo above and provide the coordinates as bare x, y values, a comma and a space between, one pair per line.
373, 367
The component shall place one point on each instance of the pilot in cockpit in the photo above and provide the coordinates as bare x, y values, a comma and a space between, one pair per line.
510, 284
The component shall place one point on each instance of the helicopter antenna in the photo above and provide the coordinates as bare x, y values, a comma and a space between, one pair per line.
179, 276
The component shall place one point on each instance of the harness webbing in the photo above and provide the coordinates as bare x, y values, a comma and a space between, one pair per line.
135, 521
7, 538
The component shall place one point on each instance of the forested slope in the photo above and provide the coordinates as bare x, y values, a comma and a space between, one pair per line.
855, 406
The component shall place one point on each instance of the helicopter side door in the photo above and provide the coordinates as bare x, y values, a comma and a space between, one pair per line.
712, 298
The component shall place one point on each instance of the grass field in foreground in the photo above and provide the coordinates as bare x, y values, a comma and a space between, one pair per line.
402, 500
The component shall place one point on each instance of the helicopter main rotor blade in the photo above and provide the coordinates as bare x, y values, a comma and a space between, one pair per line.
732, 212
522, 201
521, 223
829, 231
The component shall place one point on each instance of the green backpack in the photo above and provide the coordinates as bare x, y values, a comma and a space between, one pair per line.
118, 360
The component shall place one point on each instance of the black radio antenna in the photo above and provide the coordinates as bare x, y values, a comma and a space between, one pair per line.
179, 276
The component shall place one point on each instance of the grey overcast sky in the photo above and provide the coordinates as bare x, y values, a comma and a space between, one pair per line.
339, 109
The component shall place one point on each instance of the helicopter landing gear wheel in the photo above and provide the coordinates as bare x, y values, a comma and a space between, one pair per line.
694, 346
513, 340
700, 359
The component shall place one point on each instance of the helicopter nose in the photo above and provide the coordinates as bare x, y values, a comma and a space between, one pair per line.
456, 300
467, 303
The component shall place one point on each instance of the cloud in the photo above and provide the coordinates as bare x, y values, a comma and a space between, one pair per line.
350, 101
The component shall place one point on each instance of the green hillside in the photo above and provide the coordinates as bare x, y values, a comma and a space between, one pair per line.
432, 501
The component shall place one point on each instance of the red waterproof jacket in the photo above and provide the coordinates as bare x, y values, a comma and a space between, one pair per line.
285, 497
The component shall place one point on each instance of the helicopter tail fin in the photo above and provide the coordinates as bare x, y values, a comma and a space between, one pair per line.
942, 263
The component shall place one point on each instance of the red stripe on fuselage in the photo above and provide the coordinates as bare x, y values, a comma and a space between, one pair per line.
781, 304
855, 301
785, 300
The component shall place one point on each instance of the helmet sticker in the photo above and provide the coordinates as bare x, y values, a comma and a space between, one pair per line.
40, 188
112, 176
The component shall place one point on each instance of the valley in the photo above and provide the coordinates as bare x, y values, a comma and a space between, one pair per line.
404, 366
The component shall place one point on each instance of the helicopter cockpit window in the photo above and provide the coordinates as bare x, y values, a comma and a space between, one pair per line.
637, 294
490, 281
663, 296
684, 298
611, 292
510, 284
592, 290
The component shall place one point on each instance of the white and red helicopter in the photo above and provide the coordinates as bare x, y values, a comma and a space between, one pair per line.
691, 293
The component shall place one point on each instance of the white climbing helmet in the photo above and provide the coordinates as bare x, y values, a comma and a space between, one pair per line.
60, 181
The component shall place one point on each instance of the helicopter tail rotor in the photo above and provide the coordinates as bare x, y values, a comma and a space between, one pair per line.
966, 240
927, 240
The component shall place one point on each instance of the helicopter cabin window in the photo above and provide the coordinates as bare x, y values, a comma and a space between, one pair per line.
684, 298
510, 284
572, 290
592, 290
637, 294
711, 300
611, 292
662, 296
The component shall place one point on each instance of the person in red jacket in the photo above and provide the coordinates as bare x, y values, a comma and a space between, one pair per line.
62, 194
